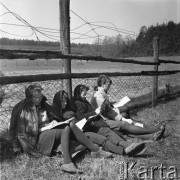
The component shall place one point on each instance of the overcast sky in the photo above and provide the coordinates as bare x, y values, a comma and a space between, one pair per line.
126, 15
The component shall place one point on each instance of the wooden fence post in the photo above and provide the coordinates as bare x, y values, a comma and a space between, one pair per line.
155, 79
64, 17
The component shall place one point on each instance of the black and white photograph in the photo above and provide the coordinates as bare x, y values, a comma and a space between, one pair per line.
90, 90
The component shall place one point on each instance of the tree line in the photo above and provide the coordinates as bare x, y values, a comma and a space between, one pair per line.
116, 46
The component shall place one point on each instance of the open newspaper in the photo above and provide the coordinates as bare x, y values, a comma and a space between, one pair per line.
54, 124
122, 102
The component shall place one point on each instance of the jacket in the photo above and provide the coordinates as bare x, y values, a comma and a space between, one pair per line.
24, 124
98, 98
85, 110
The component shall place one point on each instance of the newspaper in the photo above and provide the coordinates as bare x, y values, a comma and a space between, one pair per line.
122, 102
80, 124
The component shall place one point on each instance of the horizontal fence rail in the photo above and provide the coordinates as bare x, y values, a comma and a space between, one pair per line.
28, 54
21, 54
46, 77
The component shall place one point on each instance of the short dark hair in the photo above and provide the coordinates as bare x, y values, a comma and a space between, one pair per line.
78, 90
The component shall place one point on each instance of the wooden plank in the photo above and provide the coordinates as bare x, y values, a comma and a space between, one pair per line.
47, 77
155, 79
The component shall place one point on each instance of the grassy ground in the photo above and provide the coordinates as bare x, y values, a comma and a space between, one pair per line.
165, 152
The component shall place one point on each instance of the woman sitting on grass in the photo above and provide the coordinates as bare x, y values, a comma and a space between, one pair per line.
113, 116
97, 125
33, 113
65, 109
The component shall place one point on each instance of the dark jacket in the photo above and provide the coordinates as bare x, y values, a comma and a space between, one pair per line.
84, 110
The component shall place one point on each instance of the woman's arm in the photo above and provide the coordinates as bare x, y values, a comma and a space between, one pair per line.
15, 115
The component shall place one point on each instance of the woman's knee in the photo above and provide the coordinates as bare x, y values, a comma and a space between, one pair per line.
66, 129
72, 124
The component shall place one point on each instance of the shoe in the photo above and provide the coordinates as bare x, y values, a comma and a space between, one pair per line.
135, 149
70, 168
101, 154
158, 135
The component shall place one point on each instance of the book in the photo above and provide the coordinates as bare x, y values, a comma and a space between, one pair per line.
54, 124
122, 102
80, 124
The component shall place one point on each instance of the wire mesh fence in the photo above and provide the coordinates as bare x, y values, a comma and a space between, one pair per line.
131, 86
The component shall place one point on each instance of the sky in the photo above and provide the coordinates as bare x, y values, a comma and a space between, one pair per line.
94, 18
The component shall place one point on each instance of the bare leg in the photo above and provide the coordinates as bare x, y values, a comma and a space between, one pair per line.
65, 145
82, 138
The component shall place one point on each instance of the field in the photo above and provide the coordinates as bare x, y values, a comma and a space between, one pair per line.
24, 66
164, 153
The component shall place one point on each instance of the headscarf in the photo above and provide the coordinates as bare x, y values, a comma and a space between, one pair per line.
57, 103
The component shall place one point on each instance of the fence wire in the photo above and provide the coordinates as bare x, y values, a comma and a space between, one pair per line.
131, 86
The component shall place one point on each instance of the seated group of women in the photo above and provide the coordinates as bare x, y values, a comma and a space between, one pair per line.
103, 129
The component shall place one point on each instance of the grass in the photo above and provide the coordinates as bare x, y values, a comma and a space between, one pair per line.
165, 151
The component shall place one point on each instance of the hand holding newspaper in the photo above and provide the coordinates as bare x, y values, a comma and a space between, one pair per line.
122, 102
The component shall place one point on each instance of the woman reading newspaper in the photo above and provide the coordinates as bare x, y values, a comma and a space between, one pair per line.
114, 118
33, 113
95, 124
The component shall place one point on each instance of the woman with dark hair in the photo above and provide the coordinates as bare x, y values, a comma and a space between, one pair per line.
113, 116
28, 118
97, 125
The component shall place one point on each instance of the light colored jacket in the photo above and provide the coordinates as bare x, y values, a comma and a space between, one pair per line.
24, 125
98, 98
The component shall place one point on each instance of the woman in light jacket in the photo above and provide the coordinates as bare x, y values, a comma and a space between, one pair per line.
113, 116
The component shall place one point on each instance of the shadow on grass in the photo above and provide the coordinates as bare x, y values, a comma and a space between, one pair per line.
144, 101
145, 156
80, 156
6, 152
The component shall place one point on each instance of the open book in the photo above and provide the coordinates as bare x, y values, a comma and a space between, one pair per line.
54, 124
83, 121
122, 102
